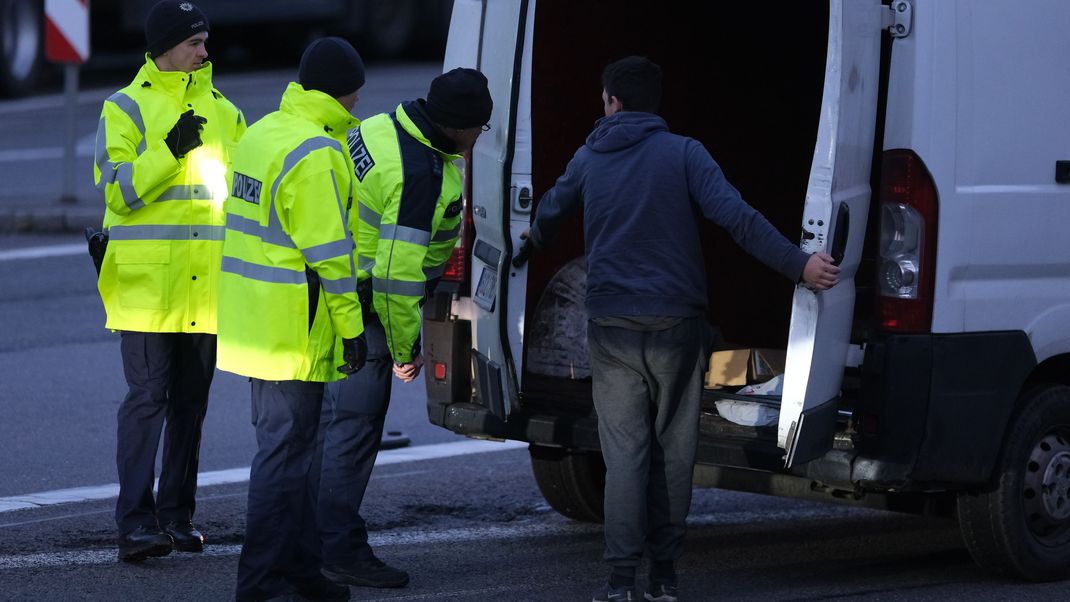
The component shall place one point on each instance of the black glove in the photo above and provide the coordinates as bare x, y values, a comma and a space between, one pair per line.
526, 248
98, 245
354, 353
186, 135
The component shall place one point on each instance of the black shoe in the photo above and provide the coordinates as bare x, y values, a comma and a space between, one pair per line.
367, 573
186, 537
142, 543
320, 588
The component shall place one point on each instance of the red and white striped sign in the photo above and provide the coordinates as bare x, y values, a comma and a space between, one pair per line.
67, 31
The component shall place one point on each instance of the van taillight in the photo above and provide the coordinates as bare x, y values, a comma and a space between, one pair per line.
907, 243
457, 266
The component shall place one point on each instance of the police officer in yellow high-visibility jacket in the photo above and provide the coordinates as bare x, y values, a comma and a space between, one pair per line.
407, 221
161, 159
287, 292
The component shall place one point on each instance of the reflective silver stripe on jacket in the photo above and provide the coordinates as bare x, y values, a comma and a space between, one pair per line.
328, 250
121, 172
118, 173
303, 150
345, 228
100, 155
186, 192
166, 232
404, 234
368, 216
132, 111
263, 273
397, 287
444, 235
272, 233
124, 175
339, 286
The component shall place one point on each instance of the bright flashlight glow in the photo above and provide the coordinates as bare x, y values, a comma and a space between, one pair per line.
213, 174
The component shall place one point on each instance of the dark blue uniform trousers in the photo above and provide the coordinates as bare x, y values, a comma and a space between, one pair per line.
354, 410
647, 388
168, 375
281, 544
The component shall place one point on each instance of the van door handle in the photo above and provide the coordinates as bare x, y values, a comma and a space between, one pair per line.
839, 238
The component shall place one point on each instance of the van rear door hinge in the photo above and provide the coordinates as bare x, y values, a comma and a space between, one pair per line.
896, 18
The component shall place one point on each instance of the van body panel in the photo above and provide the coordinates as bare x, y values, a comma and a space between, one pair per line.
839, 185
934, 408
491, 180
464, 42
992, 167
514, 288
976, 378
1005, 278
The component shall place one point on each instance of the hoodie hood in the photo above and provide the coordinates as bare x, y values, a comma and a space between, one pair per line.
624, 129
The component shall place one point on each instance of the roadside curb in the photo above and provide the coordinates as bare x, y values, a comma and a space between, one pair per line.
50, 220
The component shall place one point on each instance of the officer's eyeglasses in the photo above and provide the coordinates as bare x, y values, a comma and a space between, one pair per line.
485, 127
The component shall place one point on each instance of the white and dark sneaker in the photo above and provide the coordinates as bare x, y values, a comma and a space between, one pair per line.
661, 592
607, 593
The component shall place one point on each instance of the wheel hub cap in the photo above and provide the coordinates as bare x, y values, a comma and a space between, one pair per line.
1047, 482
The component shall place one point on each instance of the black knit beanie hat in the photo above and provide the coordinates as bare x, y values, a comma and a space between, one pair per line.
170, 22
459, 99
332, 66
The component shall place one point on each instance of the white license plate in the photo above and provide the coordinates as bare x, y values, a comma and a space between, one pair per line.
487, 288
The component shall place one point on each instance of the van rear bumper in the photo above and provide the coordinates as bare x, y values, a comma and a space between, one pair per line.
720, 444
931, 413
573, 432
934, 408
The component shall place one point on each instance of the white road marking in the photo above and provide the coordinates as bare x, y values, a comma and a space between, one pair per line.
39, 252
240, 475
549, 525
84, 148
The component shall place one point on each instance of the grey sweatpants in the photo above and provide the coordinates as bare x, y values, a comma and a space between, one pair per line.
647, 387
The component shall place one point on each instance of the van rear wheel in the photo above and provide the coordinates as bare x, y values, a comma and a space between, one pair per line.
1021, 525
573, 482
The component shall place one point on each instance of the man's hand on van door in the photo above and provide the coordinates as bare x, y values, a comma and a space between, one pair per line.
407, 373
527, 244
820, 272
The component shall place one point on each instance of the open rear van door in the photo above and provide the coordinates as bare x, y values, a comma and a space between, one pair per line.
834, 221
499, 172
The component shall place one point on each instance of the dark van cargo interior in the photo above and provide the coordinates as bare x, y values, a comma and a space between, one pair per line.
754, 106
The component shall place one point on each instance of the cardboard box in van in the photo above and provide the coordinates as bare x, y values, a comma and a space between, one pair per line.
738, 367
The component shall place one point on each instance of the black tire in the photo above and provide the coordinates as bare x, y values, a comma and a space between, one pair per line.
1021, 524
21, 46
573, 482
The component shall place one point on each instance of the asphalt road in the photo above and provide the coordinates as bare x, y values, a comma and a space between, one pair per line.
465, 518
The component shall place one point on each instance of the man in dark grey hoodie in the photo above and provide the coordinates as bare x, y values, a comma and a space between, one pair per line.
639, 186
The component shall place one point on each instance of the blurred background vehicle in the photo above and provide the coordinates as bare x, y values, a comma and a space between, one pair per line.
261, 29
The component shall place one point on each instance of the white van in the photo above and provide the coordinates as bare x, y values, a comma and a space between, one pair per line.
933, 378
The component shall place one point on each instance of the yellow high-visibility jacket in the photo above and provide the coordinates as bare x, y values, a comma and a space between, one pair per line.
286, 227
164, 215
408, 218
